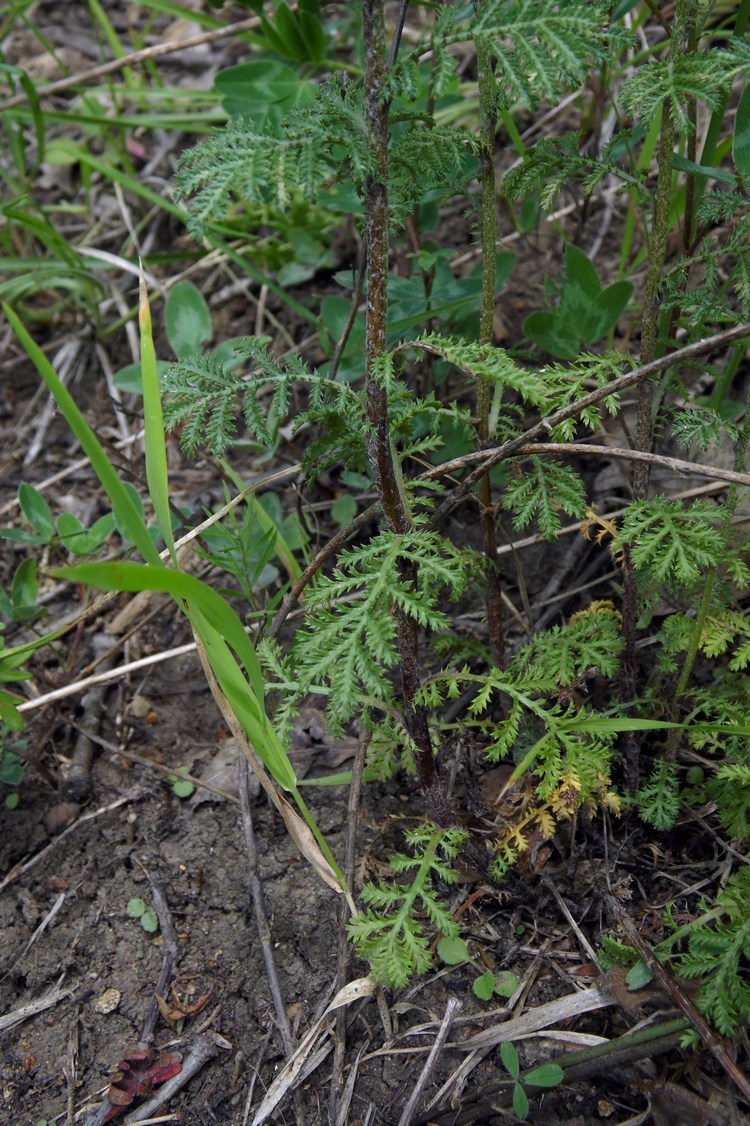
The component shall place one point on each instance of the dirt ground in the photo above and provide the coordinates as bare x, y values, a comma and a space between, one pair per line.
78, 972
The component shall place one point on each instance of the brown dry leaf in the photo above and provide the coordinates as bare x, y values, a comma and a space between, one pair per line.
218, 767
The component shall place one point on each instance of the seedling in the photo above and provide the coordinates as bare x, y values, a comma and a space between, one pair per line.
504, 984
11, 766
21, 605
454, 952
546, 1075
146, 916
248, 547
181, 787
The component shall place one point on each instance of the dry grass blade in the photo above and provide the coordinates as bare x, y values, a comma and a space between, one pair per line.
452, 1009
344, 1106
50, 915
297, 829
564, 1008
24, 1012
290, 1073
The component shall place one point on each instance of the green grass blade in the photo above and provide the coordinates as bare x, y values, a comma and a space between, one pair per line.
156, 451
218, 627
607, 725
35, 109
100, 17
184, 11
139, 576
128, 517
268, 745
249, 711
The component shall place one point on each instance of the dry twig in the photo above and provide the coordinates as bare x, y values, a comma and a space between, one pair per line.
261, 920
484, 460
676, 464
204, 1048
173, 46
683, 1002
345, 949
169, 938
451, 1010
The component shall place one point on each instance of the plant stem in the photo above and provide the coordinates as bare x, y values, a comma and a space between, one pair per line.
645, 402
657, 256
689, 215
488, 236
383, 460
651, 307
603, 1059
376, 237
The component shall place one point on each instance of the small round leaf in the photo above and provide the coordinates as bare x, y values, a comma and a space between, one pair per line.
150, 921
506, 983
484, 986
639, 976
453, 951
181, 787
546, 1075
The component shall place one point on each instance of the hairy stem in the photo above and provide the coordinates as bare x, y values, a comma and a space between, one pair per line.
383, 460
651, 307
645, 402
488, 237
689, 218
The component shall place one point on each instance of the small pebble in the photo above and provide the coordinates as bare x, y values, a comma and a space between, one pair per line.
108, 1001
